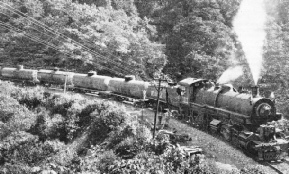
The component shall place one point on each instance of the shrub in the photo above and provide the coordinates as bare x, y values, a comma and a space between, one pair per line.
8, 88
105, 119
128, 148
129, 139
106, 161
253, 170
65, 157
15, 169
30, 97
90, 162
15, 116
55, 128
85, 117
24, 148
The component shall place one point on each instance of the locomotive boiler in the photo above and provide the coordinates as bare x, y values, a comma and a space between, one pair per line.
239, 117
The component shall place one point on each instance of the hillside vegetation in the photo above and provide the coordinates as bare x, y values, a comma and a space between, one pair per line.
182, 38
44, 132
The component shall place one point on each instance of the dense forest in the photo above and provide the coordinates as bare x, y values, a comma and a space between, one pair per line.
181, 38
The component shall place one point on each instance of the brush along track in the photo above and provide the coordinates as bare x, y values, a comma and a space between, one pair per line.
279, 167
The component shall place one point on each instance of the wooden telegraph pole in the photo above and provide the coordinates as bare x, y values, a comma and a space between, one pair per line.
160, 79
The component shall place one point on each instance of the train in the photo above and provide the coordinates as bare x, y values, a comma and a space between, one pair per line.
239, 117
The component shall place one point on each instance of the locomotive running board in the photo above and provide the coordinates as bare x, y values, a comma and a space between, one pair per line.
224, 113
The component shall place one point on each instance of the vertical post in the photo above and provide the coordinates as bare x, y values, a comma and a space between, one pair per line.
156, 112
142, 104
64, 90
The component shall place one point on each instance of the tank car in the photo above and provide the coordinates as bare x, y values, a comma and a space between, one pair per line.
19, 74
168, 96
129, 87
55, 77
152, 94
239, 117
90, 81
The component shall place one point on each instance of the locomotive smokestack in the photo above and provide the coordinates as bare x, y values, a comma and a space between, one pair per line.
255, 91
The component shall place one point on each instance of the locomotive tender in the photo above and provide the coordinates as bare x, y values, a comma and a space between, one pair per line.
240, 118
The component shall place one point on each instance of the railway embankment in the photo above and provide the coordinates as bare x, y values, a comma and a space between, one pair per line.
224, 154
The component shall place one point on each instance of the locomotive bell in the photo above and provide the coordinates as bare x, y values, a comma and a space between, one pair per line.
255, 91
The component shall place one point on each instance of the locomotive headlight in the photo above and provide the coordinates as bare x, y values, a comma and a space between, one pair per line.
263, 110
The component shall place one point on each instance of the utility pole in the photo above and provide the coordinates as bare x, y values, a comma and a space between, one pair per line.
160, 79
64, 90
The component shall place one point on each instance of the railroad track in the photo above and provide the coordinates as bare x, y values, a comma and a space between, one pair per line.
279, 167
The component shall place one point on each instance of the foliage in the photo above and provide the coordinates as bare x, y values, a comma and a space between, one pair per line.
105, 119
106, 37
24, 148
197, 38
276, 53
14, 117
15, 169
31, 98
121, 144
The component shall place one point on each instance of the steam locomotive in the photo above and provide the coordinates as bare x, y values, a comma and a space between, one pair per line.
239, 117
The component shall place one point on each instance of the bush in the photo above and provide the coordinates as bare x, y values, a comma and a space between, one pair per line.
15, 116
253, 170
65, 157
24, 148
127, 149
105, 119
8, 88
106, 161
30, 97
15, 169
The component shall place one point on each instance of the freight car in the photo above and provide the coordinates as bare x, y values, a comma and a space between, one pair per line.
19, 74
128, 87
55, 76
240, 118
90, 82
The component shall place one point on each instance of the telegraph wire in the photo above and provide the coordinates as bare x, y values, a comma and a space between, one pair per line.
52, 38
35, 39
61, 35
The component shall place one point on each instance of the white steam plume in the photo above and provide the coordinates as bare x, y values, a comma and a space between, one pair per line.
230, 74
249, 25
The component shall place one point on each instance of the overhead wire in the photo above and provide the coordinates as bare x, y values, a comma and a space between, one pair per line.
63, 36
59, 49
107, 51
35, 39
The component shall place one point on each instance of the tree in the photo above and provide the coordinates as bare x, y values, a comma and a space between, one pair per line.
113, 40
198, 41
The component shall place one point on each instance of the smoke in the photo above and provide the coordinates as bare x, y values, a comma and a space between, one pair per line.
231, 74
249, 25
